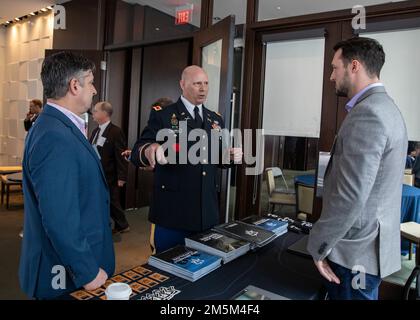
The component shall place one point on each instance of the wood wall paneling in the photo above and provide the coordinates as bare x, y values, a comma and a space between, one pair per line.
162, 68
124, 21
118, 85
84, 26
133, 124
206, 20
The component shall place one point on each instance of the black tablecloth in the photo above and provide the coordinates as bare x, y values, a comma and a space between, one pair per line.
271, 268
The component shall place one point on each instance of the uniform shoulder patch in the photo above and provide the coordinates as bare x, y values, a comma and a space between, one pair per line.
157, 108
218, 114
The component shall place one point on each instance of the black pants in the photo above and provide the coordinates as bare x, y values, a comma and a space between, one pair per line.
117, 213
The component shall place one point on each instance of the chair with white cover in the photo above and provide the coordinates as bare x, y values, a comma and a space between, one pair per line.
278, 196
408, 179
304, 201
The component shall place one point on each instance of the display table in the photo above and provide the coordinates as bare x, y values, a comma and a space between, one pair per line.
271, 268
10, 169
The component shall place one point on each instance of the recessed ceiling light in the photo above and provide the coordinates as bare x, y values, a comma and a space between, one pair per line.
17, 19
49, 7
278, 8
32, 13
44, 10
157, 29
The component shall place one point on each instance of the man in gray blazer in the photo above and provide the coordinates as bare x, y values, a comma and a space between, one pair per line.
356, 241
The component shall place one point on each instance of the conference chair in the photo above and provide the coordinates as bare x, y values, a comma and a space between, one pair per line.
283, 196
304, 201
411, 232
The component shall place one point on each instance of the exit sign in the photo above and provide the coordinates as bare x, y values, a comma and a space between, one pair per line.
183, 15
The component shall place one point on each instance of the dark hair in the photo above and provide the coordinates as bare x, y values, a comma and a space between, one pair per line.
162, 102
59, 68
37, 103
367, 51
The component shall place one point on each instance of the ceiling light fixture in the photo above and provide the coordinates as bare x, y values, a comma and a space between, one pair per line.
35, 13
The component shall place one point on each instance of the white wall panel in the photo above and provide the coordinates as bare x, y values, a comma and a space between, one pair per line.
23, 91
14, 90
33, 50
293, 88
13, 71
23, 71
22, 48
22, 109
12, 128
32, 89
39, 90
33, 70
400, 74
24, 51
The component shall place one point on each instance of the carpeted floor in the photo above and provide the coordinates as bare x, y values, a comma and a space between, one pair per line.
131, 249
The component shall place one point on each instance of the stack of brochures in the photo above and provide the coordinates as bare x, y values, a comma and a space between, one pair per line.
186, 263
218, 244
257, 236
267, 223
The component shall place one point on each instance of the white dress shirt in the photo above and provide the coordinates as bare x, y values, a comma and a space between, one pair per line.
77, 121
190, 107
102, 128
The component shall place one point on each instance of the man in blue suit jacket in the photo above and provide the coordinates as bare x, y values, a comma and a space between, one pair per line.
68, 240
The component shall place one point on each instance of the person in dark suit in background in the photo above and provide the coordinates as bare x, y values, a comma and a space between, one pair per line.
416, 167
35, 108
68, 240
411, 156
110, 142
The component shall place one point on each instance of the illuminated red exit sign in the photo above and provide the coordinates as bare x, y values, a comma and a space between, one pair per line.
183, 15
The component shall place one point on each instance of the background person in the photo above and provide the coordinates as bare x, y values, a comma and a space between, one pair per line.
109, 141
35, 108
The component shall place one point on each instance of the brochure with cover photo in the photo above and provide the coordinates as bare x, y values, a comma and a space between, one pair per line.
218, 244
248, 232
267, 223
185, 262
